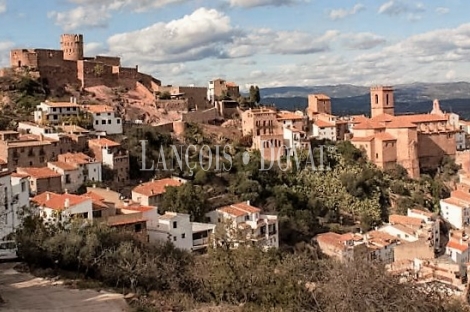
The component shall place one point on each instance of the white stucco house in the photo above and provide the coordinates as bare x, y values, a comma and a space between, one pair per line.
104, 119
54, 207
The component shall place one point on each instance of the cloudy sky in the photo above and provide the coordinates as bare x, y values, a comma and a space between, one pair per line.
264, 42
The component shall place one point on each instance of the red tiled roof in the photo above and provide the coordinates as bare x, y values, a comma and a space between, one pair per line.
368, 124
103, 142
138, 207
289, 116
460, 195
419, 118
63, 165
156, 187
239, 209
363, 139
422, 212
57, 201
384, 136
400, 123
383, 118
456, 245
75, 158
38, 173
323, 124
404, 220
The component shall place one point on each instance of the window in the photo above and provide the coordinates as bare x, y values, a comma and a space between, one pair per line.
96, 122
67, 179
376, 99
247, 217
118, 121
109, 122
183, 236
103, 122
23, 186
98, 114
376, 155
174, 225
386, 99
174, 238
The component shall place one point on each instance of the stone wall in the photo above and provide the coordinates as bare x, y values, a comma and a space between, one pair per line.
200, 116
412, 250
173, 105
57, 76
433, 147
196, 96
23, 57
108, 60
49, 57
166, 127
94, 74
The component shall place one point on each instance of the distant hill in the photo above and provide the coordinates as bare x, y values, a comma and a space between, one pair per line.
350, 99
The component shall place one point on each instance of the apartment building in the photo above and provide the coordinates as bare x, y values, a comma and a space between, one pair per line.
151, 193
14, 195
242, 223
104, 118
42, 179
89, 168
54, 113
111, 154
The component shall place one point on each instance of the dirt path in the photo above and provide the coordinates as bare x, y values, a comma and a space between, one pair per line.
24, 292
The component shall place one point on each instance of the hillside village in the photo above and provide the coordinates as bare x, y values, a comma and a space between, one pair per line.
71, 158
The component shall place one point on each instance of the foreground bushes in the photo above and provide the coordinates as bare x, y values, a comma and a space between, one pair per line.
245, 277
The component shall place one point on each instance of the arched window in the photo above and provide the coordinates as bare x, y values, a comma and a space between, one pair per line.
376, 99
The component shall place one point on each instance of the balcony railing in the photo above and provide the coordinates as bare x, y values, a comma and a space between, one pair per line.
201, 241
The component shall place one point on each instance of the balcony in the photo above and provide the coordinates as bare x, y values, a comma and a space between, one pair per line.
201, 242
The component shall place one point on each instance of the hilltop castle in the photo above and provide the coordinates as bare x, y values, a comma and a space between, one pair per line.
68, 65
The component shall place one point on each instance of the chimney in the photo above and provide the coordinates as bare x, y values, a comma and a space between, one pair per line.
48, 196
67, 203
248, 202
94, 185
66, 191
137, 67
71, 99
107, 189
74, 100
153, 180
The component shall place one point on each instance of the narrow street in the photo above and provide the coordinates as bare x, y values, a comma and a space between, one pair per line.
24, 292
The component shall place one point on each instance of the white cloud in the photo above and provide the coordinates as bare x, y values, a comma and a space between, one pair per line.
342, 13
442, 10
399, 7
3, 6
96, 13
5, 47
94, 48
259, 3
200, 35
362, 41
81, 17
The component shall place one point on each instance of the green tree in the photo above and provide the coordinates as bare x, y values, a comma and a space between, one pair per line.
187, 198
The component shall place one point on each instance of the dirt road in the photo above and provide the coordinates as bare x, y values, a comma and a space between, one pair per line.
24, 292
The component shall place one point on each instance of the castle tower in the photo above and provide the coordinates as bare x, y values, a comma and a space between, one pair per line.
381, 101
72, 45
318, 104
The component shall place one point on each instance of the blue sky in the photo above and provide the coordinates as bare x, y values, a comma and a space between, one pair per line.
264, 42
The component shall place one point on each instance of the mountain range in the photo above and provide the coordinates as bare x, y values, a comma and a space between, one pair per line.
351, 99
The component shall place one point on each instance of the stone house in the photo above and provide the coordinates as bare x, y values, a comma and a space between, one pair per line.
42, 179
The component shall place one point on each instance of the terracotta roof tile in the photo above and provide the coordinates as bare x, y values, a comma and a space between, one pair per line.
400, 123
64, 166
58, 201
404, 220
422, 212
156, 187
363, 139
324, 124
456, 245
38, 173
331, 239
368, 124
384, 136
102, 142
138, 207
75, 158
420, 118
404, 228
289, 116
98, 108
383, 118
380, 239
61, 104
239, 209
460, 195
